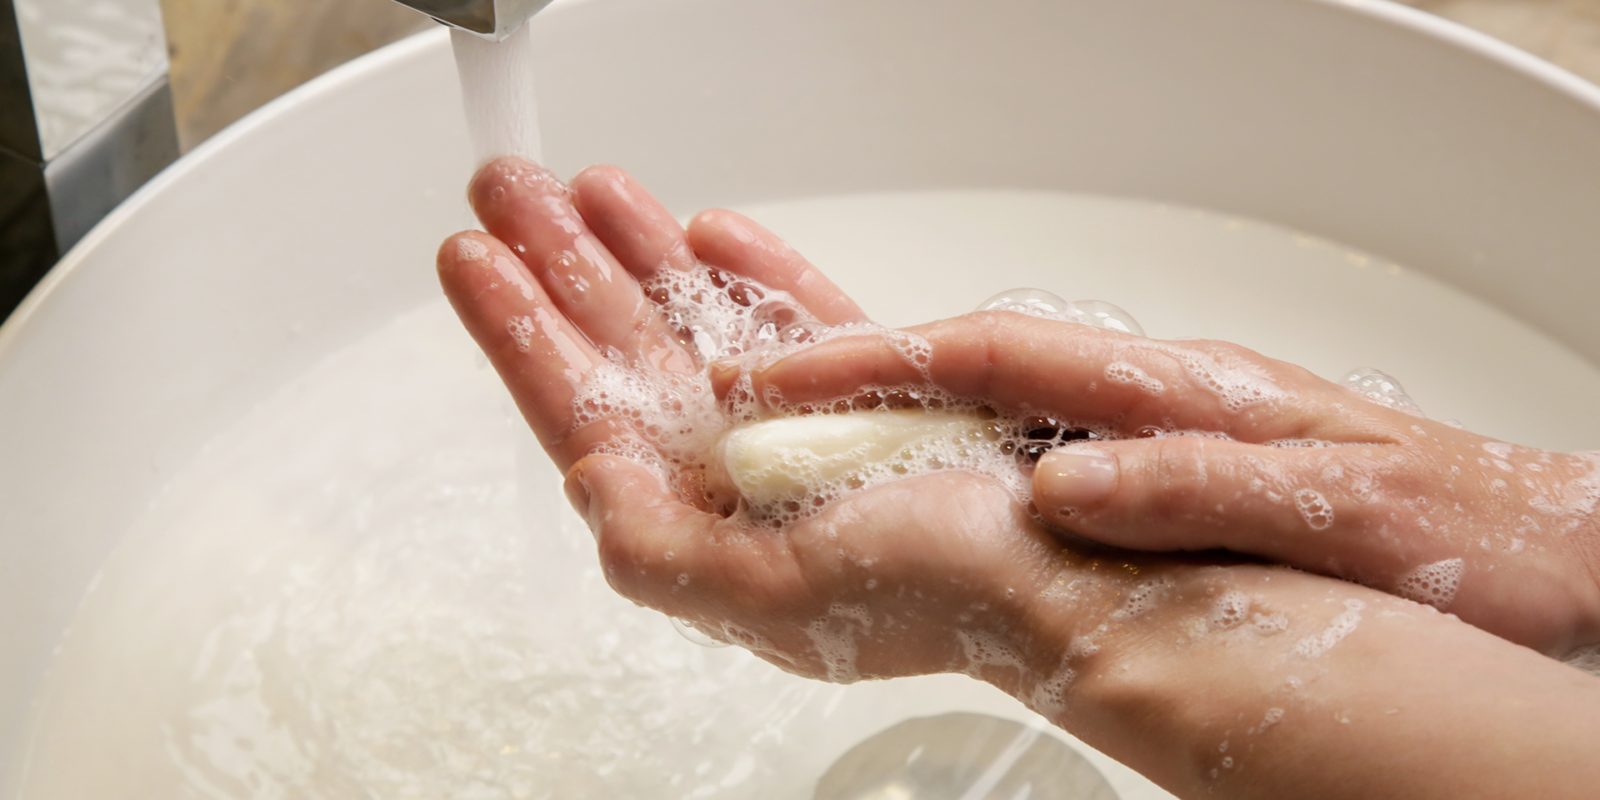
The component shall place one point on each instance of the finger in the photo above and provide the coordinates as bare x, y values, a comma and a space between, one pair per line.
1311, 508
1075, 372
667, 555
731, 241
630, 222
524, 206
538, 353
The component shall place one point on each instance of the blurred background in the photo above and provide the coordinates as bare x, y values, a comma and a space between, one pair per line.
231, 56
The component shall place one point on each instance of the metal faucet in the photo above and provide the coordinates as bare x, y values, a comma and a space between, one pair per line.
491, 19
85, 119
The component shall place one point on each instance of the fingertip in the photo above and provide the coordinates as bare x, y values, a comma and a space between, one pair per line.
630, 222
723, 375
579, 495
498, 181
467, 248
1070, 481
605, 177
711, 230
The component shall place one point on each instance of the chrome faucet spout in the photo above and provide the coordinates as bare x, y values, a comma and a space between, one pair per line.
85, 119
491, 19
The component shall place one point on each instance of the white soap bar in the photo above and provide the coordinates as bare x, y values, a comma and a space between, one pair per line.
788, 458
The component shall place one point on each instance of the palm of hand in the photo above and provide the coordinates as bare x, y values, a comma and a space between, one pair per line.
899, 580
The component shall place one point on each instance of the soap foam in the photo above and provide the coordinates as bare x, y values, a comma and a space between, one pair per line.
1377, 387
1314, 509
720, 316
1339, 627
1128, 374
1143, 597
1231, 609
1433, 584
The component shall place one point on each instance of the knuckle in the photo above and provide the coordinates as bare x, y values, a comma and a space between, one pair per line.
1175, 479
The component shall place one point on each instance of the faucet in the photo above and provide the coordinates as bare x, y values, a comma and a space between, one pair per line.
491, 19
85, 119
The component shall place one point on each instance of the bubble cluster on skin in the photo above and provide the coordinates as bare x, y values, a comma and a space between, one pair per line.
1231, 610
1043, 304
521, 330
1238, 383
1314, 509
1143, 597
1273, 716
1269, 624
678, 424
1433, 584
720, 316
1130, 375
835, 639
1377, 387
1049, 696
1339, 627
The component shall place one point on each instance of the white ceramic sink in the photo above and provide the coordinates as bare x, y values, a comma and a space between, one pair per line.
312, 224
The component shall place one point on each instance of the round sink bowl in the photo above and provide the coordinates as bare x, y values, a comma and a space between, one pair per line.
1161, 154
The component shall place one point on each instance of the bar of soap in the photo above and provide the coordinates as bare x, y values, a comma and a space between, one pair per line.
792, 457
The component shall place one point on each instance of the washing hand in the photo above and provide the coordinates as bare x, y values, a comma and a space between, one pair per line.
1501, 535
1240, 680
557, 280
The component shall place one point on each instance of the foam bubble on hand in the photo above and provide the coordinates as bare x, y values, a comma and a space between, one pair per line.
1033, 302
1130, 375
834, 638
1269, 624
1433, 584
1382, 389
1143, 597
1239, 383
1231, 609
1043, 304
1314, 509
1339, 627
1110, 316
521, 330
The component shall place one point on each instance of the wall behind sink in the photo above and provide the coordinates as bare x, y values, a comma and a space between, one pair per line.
231, 56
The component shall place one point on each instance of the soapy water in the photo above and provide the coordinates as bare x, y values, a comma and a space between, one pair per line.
693, 438
1381, 389
365, 613
384, 594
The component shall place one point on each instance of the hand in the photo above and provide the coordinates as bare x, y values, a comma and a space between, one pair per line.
1503, 536
557, 280
1162, 663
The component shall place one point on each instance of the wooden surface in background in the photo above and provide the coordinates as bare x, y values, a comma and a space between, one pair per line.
231, 56
1564, 32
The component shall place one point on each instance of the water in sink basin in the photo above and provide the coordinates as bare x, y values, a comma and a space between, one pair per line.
370, 585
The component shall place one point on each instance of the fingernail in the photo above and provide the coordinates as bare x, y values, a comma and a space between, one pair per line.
578, 495
1075, 478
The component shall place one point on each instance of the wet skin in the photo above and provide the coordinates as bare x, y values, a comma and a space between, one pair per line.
1373, 695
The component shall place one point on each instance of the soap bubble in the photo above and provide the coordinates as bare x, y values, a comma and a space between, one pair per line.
1043, 304
687, 630
1101, 314
1381, 389
1033, 302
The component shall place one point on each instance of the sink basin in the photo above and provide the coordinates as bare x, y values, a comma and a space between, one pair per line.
1443, 186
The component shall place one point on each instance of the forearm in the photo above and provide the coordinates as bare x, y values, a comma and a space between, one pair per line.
1360, 695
